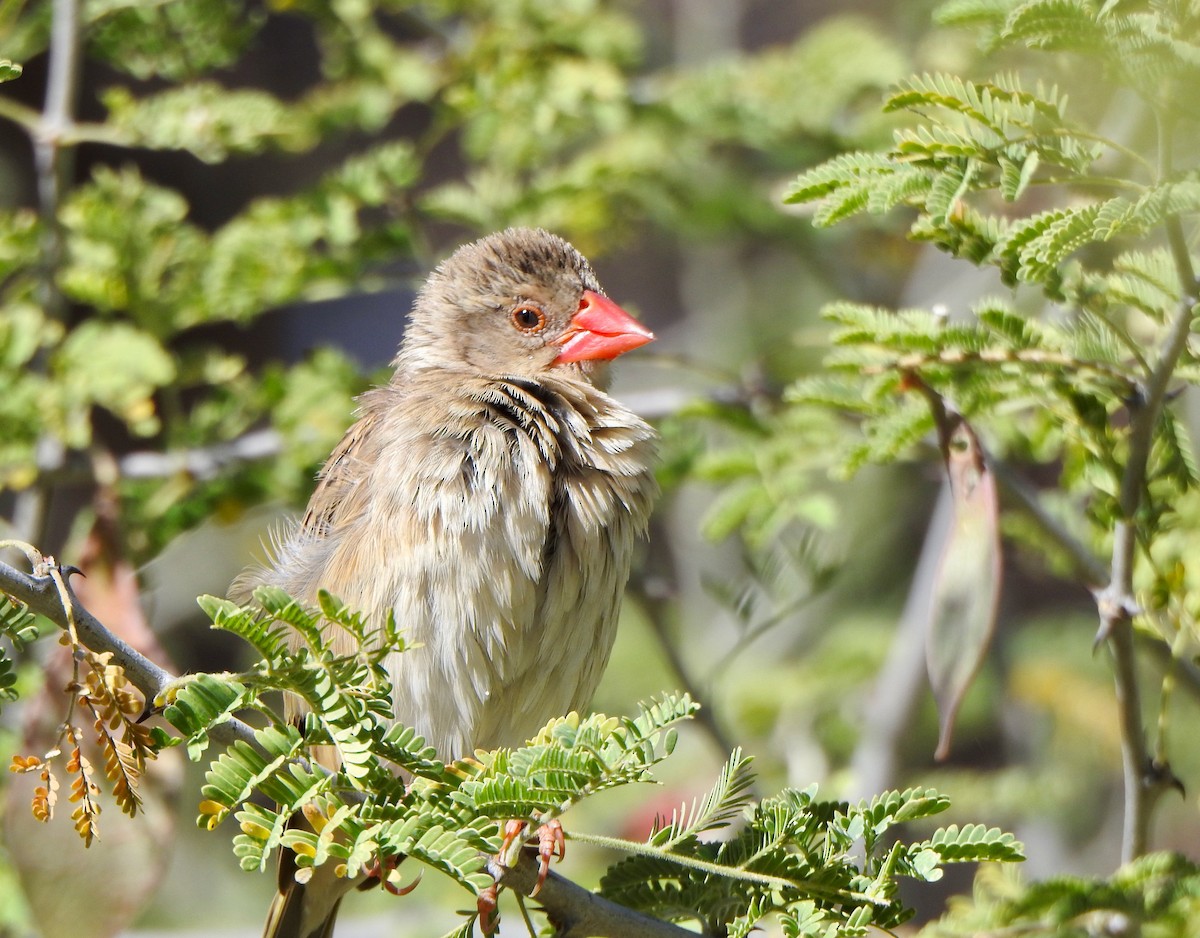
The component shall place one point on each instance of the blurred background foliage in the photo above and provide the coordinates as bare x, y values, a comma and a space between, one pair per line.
210, 236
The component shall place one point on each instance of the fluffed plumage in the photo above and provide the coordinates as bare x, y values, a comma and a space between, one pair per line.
491, 494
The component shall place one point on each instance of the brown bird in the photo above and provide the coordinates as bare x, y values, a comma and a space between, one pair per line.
490, 495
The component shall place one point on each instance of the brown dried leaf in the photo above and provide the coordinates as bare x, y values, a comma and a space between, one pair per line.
83, 793
123, 767
85, 824
45, 796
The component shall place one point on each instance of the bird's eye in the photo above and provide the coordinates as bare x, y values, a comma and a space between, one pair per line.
528, 318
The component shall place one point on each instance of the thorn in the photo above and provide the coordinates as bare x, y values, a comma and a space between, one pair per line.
1114, 610
1159, 774
401, 890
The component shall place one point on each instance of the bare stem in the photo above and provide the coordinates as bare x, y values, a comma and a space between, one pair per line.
1116, 601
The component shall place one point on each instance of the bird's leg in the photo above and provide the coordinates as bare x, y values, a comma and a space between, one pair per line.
551, 843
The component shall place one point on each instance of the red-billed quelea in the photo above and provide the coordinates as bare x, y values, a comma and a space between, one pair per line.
491, 494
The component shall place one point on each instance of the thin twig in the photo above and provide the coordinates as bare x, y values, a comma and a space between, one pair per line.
1088, 567
892, 701
1116, 601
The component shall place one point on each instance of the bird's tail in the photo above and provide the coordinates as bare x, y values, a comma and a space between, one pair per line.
305, 910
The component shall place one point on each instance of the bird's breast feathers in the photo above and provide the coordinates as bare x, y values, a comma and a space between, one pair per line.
498, 521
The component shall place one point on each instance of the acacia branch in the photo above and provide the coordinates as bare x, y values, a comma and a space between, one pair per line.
576, 912
41, 594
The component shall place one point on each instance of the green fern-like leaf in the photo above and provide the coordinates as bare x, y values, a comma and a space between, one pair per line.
17, 623
949, 187
1146, 280
1172, 455
266, 635
8, 677
1017, 333
941, 145
262, 830
283, 608
808, 920
1055, 24
276, 772
724, 801
968, 233
896, 807
201, 702
19, 626
845, 171
455, 855
974, 843
405, 748
856, 182
1016, 176
890, 435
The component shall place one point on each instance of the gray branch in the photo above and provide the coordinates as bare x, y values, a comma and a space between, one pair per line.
578, 913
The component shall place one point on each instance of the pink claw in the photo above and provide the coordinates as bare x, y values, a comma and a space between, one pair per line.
552, 842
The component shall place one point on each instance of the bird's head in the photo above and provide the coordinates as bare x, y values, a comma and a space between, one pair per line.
521, 301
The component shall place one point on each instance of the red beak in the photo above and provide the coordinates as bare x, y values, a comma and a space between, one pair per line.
600, 330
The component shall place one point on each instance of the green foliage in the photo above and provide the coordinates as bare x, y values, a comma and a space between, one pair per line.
1158, 894
791, 854
795, 856
968, 165
1077, 370
19, 627
448, 816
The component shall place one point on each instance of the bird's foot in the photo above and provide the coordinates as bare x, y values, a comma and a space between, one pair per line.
551, 843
